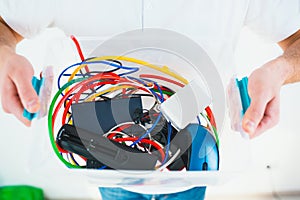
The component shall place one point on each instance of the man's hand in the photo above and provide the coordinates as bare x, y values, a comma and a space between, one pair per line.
264, 87
16, 73
264, 90
16, 89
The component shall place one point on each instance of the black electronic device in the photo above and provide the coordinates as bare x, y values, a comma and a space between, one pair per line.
204, 151
101, 116
199, 149
98, 148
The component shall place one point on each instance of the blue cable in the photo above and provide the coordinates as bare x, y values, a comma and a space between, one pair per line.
103, 167
148, 131
125, 73
73, 159
168, 141
199, 121
75, 74
61, 74
158, 118
161, 99
138, 80
133, 69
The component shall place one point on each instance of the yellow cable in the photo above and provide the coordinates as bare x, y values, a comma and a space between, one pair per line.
71, 160
163, 69
108, 90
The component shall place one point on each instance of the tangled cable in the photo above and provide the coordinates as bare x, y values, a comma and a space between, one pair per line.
117, 77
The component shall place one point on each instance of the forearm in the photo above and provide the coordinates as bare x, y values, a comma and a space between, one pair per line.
8, 37
290, 59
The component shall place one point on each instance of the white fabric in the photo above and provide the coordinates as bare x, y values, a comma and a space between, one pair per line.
214, 24
274, 20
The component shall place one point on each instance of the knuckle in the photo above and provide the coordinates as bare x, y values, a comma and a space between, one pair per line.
255, 112
25, 91
5, 109
275, 120
5, 106
16, 72
29, 94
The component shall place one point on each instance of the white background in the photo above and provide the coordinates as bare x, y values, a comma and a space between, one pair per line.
25, 152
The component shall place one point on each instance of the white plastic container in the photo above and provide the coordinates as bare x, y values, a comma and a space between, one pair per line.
175, 54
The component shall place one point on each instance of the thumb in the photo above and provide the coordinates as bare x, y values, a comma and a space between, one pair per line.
254, 114
22, 79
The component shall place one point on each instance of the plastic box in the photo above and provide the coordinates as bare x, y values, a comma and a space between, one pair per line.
184, 57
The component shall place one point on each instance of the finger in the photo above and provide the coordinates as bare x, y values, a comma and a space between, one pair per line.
27, 94
254, 113
12, 104
17, 110
271, 117
7, 90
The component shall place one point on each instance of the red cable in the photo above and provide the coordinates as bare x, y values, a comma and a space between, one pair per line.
90, 86
111, 135
85, 85
211, 116
124, 92
62, 100
154, 144
84, 88
121, 128
76, 98
66, 96
79, 51
162, 78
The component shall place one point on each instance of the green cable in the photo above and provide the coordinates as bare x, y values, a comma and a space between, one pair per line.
216, 135
164, 92
51, 135
214, 128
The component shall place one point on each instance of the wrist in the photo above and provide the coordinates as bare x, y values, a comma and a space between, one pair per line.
7, 53
285, 69
8, 35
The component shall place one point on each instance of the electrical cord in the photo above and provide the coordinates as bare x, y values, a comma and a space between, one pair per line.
168, 141
117, 82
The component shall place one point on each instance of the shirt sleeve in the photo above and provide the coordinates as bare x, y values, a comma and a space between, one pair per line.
28, 17
274, 20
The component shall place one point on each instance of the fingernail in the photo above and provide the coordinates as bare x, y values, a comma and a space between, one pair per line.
27, 123
250, 127
33, 105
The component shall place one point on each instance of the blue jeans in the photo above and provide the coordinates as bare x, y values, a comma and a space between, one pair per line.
196, 193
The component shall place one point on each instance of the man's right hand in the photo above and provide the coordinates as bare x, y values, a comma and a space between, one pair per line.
16, 89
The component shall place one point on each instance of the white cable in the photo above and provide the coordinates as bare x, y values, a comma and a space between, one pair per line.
209, 124
117, 132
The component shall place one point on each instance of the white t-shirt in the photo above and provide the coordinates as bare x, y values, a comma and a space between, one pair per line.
215, 25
